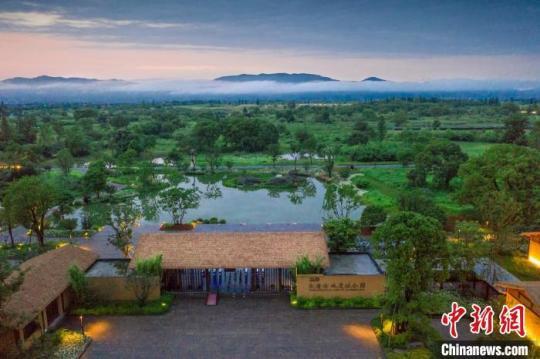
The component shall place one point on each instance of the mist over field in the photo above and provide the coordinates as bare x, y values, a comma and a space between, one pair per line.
115, 91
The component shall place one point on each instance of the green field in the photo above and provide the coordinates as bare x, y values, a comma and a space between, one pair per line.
384, 185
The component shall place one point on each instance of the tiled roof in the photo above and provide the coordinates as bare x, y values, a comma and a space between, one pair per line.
232, 249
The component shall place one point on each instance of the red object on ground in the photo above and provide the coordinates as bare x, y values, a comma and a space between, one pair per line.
212, 299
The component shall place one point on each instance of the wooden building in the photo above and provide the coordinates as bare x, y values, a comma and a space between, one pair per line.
231, 262
528, 294
534, 247
43, 297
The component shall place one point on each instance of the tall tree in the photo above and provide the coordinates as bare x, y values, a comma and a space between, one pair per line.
123, 218
467, 247
415, 250
439, 158
329, 153
503, 184
360, 134
515, 128
341, 200
381, 128
31, 198
65, 160
177, 201
95, 179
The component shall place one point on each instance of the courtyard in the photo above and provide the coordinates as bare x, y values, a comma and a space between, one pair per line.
236, 328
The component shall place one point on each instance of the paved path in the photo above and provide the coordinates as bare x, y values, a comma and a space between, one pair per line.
254, 327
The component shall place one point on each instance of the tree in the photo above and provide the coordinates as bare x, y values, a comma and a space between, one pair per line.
5, 128
122, 219
420, 201
341, 233
65, 160
503, 186
360, 134
467, 246
534, 136
274, 150
515, 128
306, 142
329, 154
249, 135
381, 128
95, 179
372, 216
341, 200
416, 253
177, 201
7, 217
296, 152
147, 273
79, 284
31, 198
439, 158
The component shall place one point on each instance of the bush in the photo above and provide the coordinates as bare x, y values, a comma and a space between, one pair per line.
420, 202
155, 307
372, 216
374, 302
79, 284
304, 265
144, 276
342, 234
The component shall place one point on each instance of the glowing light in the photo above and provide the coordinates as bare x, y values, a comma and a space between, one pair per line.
97, 330
534, 261
363, 333
163, 304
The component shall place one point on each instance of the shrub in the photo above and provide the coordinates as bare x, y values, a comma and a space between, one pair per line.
144, 276
155, 307
344, 303
304, 265
79, 284
372, 216
342, 234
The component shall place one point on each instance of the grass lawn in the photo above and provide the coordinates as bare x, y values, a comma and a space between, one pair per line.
473, 149
519, 266
384, 185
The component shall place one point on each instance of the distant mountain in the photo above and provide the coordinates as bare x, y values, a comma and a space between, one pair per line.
277, 77
48, 80
374, 79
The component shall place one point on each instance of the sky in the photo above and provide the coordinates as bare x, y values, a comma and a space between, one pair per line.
414, 40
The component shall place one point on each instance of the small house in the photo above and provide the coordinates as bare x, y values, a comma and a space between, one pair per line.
43, 297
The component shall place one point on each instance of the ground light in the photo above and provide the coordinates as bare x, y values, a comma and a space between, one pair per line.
82, 326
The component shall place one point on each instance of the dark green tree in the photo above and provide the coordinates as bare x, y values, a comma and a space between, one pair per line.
341, 233
515, 128
416, 254
31, 198
95, 179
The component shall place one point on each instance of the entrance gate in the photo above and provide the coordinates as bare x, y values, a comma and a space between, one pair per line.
239, 281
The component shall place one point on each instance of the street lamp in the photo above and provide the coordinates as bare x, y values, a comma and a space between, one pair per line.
82, 326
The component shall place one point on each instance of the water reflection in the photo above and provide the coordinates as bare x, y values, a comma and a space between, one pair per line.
301, 205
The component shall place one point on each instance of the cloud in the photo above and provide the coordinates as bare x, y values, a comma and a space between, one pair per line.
34, 19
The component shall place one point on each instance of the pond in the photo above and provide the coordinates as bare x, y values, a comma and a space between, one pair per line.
261, 206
